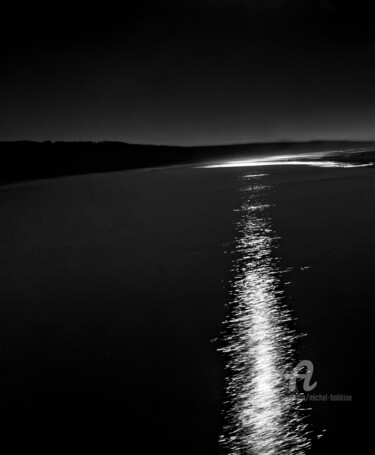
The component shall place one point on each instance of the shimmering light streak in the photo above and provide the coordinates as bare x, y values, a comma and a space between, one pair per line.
283, 162
263, 417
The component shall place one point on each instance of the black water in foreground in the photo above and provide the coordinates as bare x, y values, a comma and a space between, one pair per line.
115, 287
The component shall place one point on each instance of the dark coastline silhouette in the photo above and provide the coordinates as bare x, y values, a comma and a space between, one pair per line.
28, 160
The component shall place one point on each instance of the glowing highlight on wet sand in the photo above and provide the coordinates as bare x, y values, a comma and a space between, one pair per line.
256, 163
263, 416
304, 159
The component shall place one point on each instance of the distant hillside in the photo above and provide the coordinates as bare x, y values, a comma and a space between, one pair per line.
34, 160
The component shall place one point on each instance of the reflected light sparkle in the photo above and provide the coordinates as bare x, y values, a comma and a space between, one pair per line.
263, 417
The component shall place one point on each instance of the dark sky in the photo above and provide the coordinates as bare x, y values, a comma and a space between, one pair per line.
188, 72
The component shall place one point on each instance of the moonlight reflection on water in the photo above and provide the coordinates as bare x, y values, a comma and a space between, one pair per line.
263, 417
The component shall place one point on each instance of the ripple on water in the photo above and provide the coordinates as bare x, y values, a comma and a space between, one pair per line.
263, 416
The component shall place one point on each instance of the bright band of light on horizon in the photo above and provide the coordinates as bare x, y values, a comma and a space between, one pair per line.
284, 162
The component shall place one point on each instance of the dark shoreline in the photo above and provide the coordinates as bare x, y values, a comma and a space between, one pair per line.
27, 160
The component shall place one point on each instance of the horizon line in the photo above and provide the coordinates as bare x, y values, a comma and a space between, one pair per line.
234, 144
